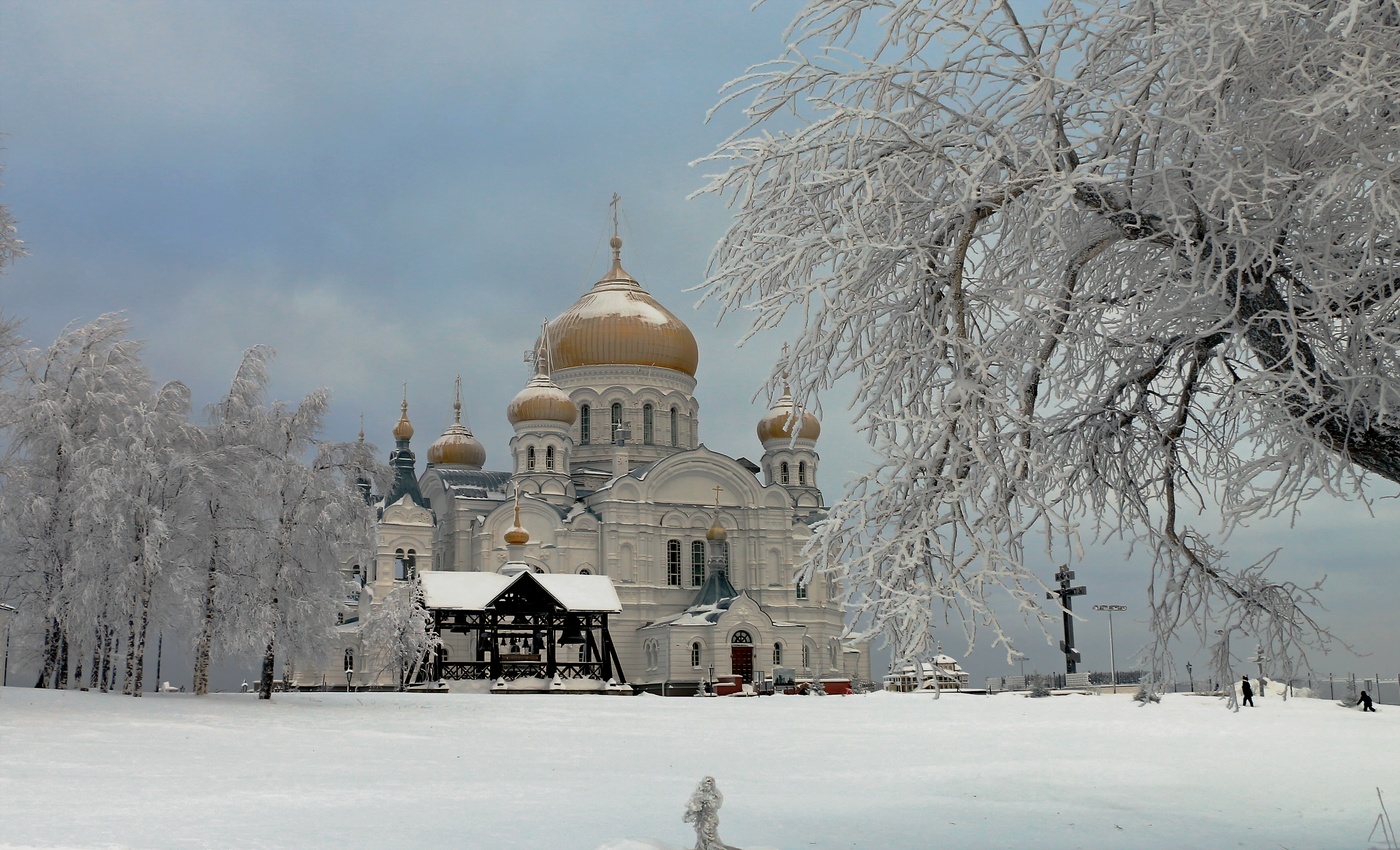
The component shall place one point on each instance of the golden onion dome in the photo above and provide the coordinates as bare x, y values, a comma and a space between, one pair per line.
716, 531
778, 423
404, 429
457, 446
541, 399
516, 535
619, 323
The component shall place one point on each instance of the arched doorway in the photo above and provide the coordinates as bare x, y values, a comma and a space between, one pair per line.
741, 655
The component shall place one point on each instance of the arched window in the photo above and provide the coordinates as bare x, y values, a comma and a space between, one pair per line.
742, 638
673, 563
585, 423
675, 426
400, 568
801, 590
549, 458
783, 473
695, 655
777, 655
349, 660
802, 473
410, 565
833, 650
359, 576
530, 459
697, 563
616, 419
648, 425
585, 572
807, 656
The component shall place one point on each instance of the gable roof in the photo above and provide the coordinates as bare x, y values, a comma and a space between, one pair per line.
480, 591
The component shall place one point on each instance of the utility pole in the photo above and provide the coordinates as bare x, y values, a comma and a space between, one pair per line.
1259, 658
1112, 659
1065, 593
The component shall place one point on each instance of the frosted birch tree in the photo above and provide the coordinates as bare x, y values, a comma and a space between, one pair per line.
1094, 274
138, 503
310, 515
398, 630
220, 586
60, 416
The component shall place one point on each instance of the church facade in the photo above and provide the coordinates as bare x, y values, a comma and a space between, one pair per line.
608, 477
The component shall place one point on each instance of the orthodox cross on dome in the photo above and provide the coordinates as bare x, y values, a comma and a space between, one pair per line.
616, 204
457, 402
718, 490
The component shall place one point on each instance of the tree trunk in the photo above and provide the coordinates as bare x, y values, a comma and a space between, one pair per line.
265, 683
61, 670
145, 615
96, 658
114, 648
50, 654
130, 658
206, 629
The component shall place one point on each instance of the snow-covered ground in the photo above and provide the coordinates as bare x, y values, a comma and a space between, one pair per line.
82, 770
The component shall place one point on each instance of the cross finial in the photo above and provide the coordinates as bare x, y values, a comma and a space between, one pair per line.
542, 354
362, 427
616, 203
457, 403
718, 490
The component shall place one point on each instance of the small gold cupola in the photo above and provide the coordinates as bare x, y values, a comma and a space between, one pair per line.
516, 535
542, 399
779, 422
457, 446
716, 531
404, 429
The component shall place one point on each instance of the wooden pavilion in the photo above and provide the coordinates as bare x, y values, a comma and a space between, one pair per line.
522, 625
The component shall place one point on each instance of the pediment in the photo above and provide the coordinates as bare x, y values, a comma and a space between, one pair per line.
407, 512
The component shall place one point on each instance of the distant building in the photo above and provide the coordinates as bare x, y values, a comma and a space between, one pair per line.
612, 480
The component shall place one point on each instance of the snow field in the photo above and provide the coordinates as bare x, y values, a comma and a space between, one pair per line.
81, 770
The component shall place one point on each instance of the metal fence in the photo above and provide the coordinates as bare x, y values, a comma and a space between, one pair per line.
1384, 690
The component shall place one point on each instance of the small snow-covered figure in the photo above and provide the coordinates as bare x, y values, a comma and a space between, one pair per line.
1365, 702
703, 811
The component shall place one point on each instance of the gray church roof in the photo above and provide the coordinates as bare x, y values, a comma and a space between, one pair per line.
473, 483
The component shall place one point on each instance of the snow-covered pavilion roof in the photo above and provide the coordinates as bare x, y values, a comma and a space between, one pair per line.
468, 591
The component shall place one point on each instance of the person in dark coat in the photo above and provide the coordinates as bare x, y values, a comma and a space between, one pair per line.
1365, 702
1247, 691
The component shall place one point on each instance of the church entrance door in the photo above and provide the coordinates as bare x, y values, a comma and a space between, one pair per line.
741, 660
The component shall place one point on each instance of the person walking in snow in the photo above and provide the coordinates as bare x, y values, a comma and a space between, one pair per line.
1365, 702
1247, 691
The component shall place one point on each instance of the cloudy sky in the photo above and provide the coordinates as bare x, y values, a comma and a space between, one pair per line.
400, 192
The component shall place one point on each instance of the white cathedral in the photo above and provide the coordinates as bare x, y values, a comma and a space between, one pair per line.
675, 560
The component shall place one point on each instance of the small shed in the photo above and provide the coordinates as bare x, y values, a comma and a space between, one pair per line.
524, 625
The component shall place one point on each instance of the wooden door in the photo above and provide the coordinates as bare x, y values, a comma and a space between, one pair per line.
741, 662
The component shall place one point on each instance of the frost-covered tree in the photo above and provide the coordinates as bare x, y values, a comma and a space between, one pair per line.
61, 414
308, 513
398, 630
137, 509
220, 586
1091, 274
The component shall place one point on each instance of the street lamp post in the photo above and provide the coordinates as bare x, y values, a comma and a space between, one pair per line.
1112, 659
1190, 678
